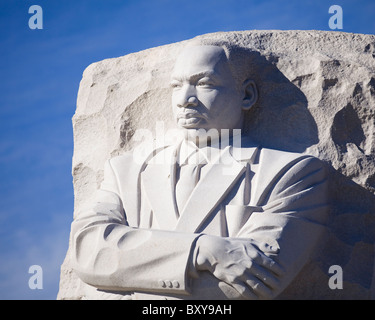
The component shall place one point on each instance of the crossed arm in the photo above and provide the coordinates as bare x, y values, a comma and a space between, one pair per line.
275, 244
265, 257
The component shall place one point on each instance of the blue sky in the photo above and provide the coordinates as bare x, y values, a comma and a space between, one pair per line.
40, 72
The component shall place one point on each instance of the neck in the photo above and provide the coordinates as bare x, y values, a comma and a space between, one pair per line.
213, 138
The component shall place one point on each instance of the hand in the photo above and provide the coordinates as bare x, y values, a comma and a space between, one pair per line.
241, 263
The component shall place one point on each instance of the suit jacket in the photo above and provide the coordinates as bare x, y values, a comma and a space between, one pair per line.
133, 242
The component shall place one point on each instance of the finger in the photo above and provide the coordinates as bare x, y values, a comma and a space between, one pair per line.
235, 293
262, 275
259, 288
273, 266
238, 284
272, 247
244, 290
267, 248
266, 262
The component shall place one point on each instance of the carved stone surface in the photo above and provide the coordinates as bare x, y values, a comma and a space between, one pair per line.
316, 96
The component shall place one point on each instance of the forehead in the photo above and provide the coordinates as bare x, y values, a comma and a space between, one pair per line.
200, 60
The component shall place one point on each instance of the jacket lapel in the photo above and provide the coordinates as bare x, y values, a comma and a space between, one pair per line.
210, 191
159, 180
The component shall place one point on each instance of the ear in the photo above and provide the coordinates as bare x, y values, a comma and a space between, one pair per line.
250, 94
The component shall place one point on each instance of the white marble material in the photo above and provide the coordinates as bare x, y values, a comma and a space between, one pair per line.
257, 224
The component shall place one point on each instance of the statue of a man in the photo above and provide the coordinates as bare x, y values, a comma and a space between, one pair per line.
214, 216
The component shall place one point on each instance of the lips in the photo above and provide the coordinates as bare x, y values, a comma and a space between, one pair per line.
189, 115
190, 119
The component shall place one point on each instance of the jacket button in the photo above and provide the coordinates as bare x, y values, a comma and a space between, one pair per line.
162, 283
175, 284
168, 284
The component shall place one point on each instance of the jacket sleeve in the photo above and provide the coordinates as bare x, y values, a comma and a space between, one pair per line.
110, 254
293, 216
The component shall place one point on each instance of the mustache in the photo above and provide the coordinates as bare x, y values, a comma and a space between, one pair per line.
190, 113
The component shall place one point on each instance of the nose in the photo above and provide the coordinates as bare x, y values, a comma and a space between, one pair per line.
191, 102
187, 98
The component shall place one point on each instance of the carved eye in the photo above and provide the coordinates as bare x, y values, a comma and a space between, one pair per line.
175, 84
205, 83
202, 84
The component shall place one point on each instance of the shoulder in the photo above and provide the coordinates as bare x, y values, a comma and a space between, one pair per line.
293, 175
138, 159
275, 165
279, 156
284, 159
124, 159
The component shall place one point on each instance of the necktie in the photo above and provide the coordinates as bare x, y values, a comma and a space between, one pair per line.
189, 177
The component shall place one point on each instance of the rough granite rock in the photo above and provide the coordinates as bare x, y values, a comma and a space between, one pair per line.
317, 96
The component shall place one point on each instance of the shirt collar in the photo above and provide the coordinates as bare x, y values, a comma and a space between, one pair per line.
191, 153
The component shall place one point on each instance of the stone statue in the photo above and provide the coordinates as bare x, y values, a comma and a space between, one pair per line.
214, 216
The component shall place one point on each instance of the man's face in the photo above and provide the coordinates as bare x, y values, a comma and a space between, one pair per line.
204, 91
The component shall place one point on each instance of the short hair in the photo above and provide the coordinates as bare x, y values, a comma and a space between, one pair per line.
242, 61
